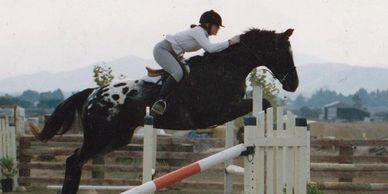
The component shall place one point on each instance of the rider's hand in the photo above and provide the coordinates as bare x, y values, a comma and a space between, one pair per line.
234, 40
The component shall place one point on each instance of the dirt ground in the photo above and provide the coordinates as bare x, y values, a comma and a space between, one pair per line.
357, 130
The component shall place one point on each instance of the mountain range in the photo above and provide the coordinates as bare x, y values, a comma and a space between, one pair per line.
314, 73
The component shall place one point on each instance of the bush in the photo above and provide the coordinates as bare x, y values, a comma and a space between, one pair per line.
313, 189
8, 167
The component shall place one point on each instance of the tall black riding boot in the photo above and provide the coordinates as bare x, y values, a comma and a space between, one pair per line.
159, 107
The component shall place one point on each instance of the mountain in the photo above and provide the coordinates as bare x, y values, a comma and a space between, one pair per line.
131, 67
342, 78
314, 73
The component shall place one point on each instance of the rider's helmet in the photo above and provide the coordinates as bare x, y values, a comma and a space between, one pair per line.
211, 17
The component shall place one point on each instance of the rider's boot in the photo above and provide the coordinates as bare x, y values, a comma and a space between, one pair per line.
159, 107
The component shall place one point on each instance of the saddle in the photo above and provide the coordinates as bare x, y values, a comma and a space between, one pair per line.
155, 72
161, 72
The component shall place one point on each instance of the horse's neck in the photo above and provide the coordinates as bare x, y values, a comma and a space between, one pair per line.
217, 75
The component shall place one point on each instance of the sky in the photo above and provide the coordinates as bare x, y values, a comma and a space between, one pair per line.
57, 35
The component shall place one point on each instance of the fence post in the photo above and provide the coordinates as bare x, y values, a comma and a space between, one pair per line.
302, 162
99, 172
24, 160
253, 163
149, 148
346, 151
229, 142
290, 153
2, 132
279, 152
271, 155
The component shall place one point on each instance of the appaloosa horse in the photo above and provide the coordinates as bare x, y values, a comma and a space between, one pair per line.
212, 95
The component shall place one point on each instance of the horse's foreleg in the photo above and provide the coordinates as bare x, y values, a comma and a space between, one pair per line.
233, 111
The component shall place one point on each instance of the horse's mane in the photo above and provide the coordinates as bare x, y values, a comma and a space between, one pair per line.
249, 36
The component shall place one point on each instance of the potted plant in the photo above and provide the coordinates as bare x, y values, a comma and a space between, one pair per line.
8, 169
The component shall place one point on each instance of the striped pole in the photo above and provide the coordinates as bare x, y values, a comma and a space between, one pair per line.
187, 171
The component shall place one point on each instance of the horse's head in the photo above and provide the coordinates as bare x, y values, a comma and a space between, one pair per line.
272, 50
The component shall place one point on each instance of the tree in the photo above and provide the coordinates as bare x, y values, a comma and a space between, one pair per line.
30, 96
308, 112
299, 101
9, 100
102, 75
50, 99
357, 101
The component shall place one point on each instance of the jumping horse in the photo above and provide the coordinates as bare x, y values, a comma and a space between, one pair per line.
213, 94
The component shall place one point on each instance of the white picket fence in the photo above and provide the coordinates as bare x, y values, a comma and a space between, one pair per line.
8, 142
280, 162
8, 139
282, 151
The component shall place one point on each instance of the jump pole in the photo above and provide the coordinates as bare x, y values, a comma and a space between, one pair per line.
187, 171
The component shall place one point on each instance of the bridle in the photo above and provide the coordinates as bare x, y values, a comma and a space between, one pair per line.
258, 58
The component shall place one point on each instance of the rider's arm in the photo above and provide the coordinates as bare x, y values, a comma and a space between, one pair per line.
204, 42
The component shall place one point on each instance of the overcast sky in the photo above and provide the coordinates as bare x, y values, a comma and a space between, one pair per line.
61, 35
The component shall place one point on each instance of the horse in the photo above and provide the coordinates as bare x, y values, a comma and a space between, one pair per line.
212, 94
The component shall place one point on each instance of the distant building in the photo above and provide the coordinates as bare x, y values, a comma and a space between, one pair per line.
11, 111
339, 111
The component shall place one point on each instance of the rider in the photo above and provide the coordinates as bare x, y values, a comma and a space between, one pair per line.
169, 52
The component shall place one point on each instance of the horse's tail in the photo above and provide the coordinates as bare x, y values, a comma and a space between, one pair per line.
63, 116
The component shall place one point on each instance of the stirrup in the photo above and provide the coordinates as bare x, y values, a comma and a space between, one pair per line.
159, 107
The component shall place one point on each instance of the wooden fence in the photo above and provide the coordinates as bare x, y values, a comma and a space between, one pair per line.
121, 167
339, 172
345, 171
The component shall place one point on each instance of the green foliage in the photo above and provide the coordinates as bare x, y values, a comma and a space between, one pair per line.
50, 99
55, 95
49, 103
360, 99
313, 189
30, 96
102, 75
269, 88
8, 167
308, 112
10, 100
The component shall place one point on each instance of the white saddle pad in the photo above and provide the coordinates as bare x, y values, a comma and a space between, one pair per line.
149, 79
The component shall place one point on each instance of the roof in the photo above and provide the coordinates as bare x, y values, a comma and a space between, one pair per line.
337, 104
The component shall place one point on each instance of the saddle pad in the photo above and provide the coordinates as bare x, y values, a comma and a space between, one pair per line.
152, 79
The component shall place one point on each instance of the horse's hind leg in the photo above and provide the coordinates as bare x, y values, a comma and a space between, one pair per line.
73, 171
74, 165
75, 162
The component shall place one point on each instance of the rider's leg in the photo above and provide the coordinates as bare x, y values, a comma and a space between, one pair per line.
164, 56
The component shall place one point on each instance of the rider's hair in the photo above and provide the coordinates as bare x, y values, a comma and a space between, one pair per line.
206, 27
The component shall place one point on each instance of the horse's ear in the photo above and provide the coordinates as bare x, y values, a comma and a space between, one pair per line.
288, 33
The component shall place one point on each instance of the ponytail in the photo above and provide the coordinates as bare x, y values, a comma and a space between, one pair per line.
206, 27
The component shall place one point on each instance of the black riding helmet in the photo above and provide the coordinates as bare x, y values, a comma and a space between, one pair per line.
211, 17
